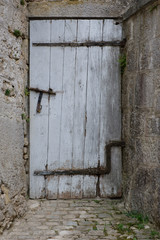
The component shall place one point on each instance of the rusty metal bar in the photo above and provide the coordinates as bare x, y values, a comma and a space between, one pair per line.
50, 91
89, 171
84, 44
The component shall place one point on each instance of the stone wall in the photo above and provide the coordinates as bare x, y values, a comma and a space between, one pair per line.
13, 79
140, 99
78, 8
141, 112
14, 95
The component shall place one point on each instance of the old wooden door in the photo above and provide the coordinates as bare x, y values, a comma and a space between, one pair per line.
75, 108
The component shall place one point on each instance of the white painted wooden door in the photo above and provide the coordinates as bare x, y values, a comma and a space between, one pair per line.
73, 126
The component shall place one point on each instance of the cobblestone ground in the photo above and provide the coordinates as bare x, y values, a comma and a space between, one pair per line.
80, 219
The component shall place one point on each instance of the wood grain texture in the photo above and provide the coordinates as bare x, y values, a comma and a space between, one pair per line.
110, 185
92, 108
39, 77
74, 125
80, 108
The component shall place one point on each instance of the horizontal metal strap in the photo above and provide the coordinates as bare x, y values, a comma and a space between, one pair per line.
89, 171
84, 44
50, 91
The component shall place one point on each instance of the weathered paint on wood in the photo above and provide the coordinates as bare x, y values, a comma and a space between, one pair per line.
74, 125
39, 75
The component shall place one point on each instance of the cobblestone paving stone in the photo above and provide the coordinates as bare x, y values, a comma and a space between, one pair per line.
79, 219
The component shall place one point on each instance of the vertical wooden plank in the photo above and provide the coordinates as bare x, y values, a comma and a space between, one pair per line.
70, 30
39, 77
39, 70
96, 27
89, 187
38, 144
110, 185
77, 187
67, 122
66, 149
83, 30
52, 187
79, 118
57, 31
67, 109
91, 154
56, 83
65, 187
111, 30
80, 107
39, 57
93, 113
40, 31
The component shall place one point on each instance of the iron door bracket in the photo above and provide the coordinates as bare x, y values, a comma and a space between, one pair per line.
41, 92
108, 149
88, 171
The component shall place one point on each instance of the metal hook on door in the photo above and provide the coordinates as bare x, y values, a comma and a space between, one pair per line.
41, 91
39, 106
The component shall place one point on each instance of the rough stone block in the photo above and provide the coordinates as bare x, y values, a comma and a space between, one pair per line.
12, 67
2, 217
128, 89
144, 90
147, 151
78, 8
137, 123
153, 127
125, 124
132, 57
2, 203
158, 103
155, 53
148, 23
144, 57
144, 192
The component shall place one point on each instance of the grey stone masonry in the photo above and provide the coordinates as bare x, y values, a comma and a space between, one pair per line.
13, 72
141, 117
77, 8
141, 112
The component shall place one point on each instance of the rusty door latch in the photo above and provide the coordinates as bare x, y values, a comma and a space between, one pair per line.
89, 171
39, 106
